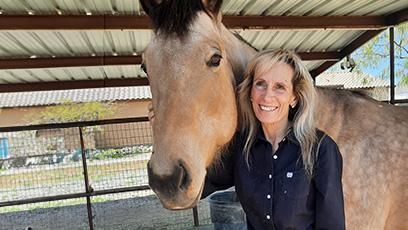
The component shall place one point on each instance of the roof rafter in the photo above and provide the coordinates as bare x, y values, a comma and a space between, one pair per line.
81, 22
397, 17
30, 63
81, 84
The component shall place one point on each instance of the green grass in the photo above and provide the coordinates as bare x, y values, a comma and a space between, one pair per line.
68, 174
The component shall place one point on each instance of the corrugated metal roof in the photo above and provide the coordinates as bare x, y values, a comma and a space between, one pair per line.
346, 80
78, 43
66, 43
24, 99
299, 40
71, 7
230, 7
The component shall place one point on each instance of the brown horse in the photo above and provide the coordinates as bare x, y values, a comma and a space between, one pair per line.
194, 64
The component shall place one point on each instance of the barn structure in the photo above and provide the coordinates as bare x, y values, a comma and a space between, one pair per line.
69, 44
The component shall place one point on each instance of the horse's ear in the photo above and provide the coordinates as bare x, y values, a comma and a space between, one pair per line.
214, 7
149, 5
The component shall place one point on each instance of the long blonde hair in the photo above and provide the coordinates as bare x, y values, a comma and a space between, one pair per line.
304, 91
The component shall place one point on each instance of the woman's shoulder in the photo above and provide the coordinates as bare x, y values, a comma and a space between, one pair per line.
326, 146
324, 138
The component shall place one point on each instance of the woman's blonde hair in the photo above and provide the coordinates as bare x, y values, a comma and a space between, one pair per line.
304, 91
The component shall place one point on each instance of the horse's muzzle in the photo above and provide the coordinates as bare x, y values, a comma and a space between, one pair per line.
170, 185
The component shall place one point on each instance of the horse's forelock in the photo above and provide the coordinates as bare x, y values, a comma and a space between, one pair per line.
175, 16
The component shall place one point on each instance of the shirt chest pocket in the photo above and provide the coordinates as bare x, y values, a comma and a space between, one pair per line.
294, 185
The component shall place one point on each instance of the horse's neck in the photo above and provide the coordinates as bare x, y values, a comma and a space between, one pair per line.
238, 53
328, 113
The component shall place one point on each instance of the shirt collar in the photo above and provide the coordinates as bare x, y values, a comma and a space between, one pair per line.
260, 136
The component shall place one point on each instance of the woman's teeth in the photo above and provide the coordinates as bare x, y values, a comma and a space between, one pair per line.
267, 108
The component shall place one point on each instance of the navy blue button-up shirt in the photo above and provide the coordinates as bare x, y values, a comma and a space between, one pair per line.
275, 191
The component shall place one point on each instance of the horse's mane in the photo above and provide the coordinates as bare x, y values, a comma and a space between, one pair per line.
175, 16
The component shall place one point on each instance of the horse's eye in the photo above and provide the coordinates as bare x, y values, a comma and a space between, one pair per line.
215, 60
143, 67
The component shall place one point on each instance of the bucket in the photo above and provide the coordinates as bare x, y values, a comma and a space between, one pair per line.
226, 211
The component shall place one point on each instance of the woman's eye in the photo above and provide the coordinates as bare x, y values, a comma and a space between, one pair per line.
215, 60
279, 87
143, 67
261, 85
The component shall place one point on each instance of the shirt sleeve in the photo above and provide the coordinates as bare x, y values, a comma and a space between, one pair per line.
329, 191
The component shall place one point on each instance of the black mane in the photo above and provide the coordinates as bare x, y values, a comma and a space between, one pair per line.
175, 16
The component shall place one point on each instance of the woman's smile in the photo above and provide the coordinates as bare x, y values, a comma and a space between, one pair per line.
268, 108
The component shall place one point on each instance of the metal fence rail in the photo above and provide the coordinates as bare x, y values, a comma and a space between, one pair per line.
88, 166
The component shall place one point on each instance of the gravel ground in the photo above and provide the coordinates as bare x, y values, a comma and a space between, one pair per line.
127, 214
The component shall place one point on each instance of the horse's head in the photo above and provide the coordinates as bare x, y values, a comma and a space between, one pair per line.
194, 101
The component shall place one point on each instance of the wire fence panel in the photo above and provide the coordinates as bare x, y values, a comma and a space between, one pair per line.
63, 214
44, 171
41, 165
120, 155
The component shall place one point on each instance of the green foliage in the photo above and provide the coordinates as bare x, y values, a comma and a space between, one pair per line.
118, 153
404, 81
69, 111
365, 81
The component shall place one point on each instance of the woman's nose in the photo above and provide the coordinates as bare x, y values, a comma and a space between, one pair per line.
269, 93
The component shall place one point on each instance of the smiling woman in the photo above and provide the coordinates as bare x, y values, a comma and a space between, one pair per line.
286, 173
281, 95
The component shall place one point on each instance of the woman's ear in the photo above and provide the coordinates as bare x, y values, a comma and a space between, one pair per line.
294, 103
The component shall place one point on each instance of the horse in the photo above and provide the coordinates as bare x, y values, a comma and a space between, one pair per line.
194, 64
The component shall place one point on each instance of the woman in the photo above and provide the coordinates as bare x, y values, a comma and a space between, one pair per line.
287, 174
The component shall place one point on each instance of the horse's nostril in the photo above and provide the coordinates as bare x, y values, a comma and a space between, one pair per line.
185, 179
170, 184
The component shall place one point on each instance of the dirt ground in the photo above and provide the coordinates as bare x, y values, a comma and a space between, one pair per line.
126, 214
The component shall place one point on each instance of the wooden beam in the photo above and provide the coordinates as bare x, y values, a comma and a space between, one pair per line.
32, 63
315, 72
305, 22
72, 22
82, 84
361, 40
317, 56
397, 17
99, 22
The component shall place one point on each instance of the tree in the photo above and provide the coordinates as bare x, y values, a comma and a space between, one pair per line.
374, 56
69, 111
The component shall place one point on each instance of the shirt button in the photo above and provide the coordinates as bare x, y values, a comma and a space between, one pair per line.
268, 217
270, 176
285, 192
275, 157
268, 197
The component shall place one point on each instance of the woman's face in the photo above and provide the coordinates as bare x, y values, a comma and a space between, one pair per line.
272, 94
